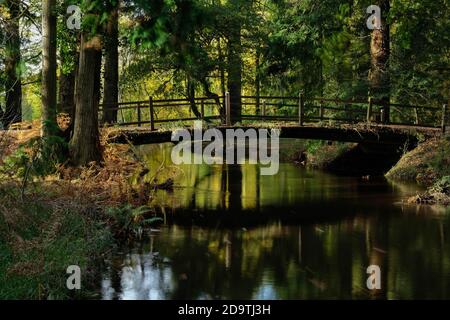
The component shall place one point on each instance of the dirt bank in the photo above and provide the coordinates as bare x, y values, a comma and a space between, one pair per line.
428, 165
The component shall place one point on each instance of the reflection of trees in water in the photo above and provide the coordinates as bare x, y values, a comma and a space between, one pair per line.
311, 261
327, 260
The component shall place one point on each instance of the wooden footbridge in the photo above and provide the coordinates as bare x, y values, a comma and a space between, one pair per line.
371, 121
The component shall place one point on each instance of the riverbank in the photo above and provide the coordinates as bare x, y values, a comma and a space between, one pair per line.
41, 237
73, 216
428, 165
349, 159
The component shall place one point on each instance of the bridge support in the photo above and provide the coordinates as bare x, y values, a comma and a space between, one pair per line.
227, 109
301, 109
152, 114
263, 109
369, 110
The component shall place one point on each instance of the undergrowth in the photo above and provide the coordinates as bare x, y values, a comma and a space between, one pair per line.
39, 239
53, 216
320, 153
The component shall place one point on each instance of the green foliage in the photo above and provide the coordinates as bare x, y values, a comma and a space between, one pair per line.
440, 163
129, 221
320, 154
441, 186
56, 238
37, 157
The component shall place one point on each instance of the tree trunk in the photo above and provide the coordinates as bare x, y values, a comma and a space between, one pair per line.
257, 81
111, 74
190, 93
85, 143
49, 126
13, 85
380, 51
221, 67
235, 66
67, 87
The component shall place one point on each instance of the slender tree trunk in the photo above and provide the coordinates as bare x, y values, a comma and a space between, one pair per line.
235, 66
111, 74
257, 81
380, 51
221, 67
190, 93
49, 126
85, 143
13, 85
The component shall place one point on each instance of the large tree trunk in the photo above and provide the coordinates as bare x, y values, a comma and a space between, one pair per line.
235, 66
111, 75
85, 143
13, 85
49, 126
380, 50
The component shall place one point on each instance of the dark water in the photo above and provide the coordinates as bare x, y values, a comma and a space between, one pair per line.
231, 233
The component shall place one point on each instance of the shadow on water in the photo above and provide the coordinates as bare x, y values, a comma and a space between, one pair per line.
231, 233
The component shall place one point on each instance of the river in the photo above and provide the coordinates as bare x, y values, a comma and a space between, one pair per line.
231, 233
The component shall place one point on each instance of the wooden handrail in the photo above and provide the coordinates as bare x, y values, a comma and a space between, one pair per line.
309, 109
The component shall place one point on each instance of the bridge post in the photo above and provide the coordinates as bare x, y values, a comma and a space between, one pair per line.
139, 114
301, 107
263, 109
383, 115
227, 109
202, 109
444, 119
152, 120
321, 111
369, 110
416, 114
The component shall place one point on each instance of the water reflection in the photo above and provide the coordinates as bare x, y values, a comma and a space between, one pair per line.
233, 234
290, 262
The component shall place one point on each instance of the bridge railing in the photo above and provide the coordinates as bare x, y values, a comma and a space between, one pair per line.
317, 110
161, 111
297, 109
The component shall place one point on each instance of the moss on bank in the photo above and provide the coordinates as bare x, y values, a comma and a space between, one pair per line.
429, 165
320, 154
426, 164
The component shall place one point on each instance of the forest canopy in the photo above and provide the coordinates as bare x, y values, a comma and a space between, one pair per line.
188, 48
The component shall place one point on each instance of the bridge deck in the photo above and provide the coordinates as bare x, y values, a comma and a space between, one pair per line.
376, 133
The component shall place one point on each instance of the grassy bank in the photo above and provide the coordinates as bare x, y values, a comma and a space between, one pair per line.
349, 159
428, 165
51, 219
320, 155
40, 238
